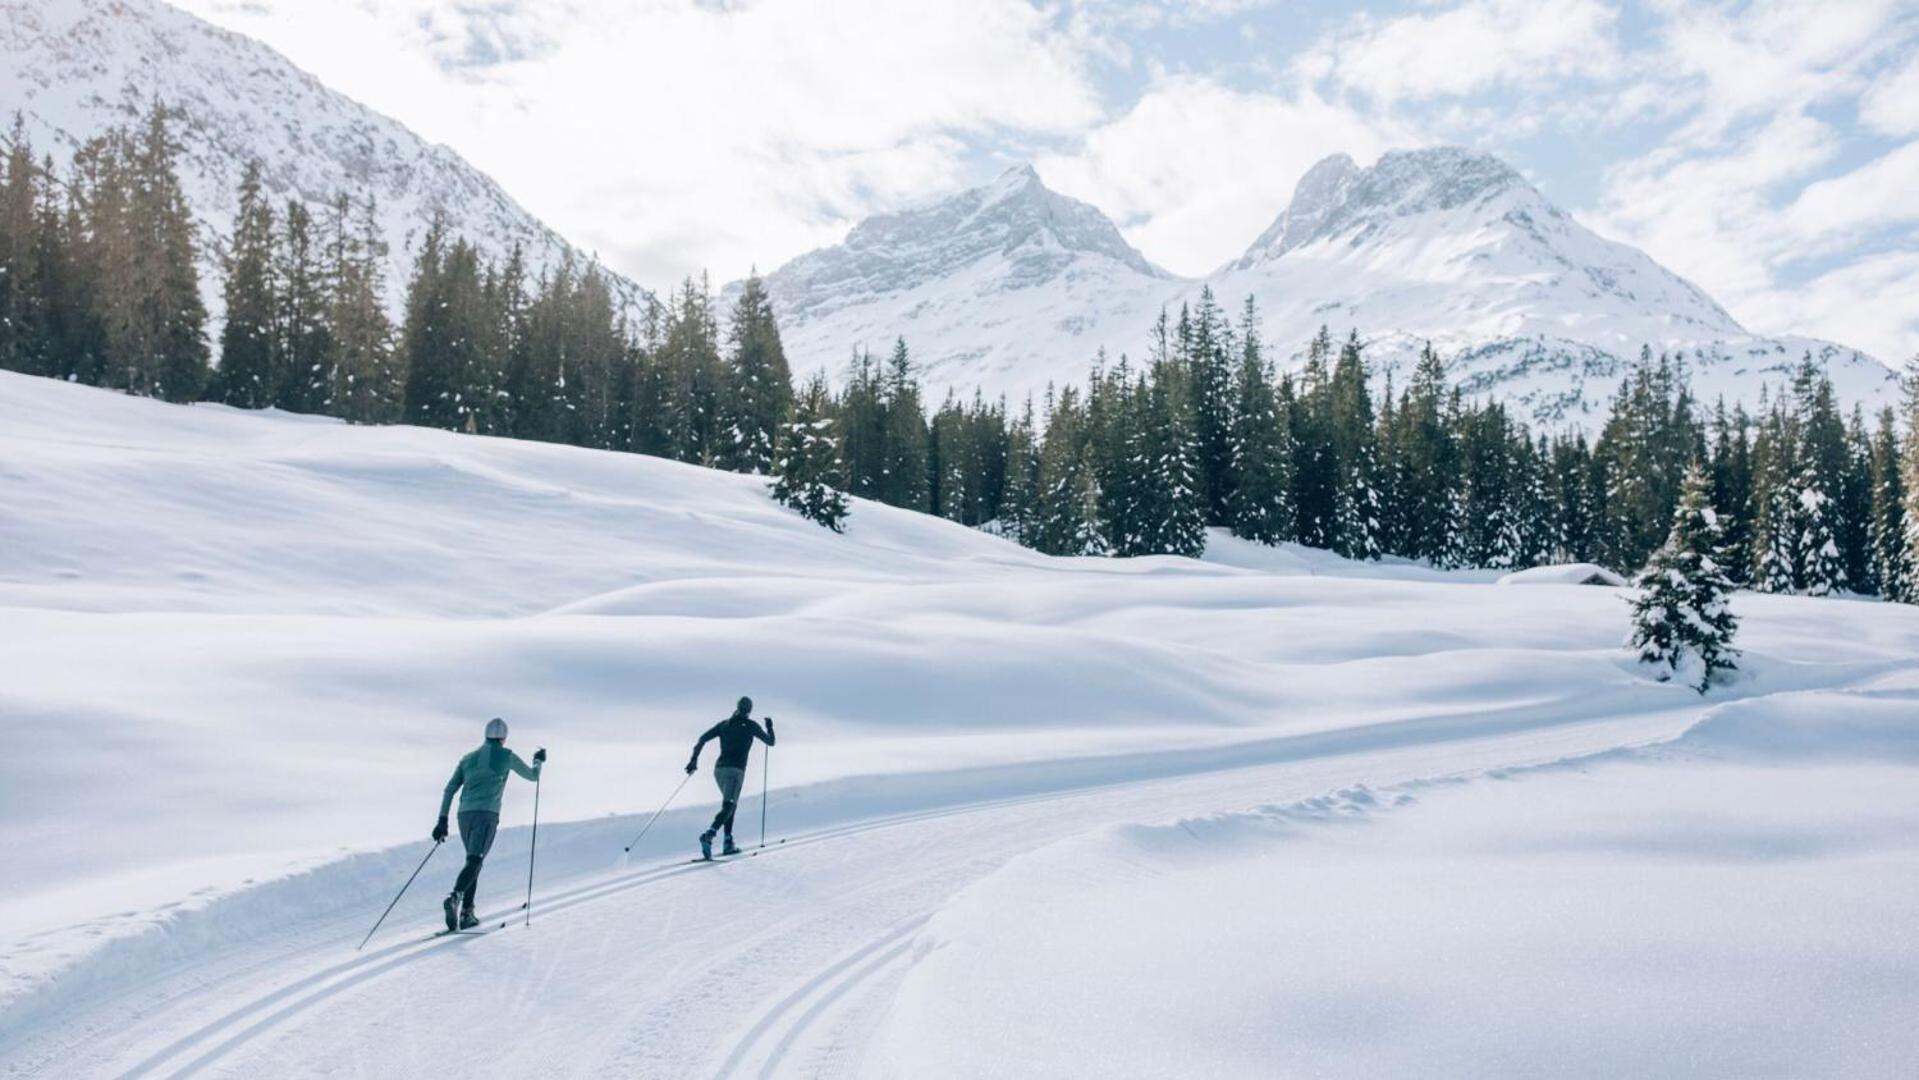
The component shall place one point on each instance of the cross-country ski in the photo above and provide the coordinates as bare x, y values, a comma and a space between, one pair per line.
1283, 540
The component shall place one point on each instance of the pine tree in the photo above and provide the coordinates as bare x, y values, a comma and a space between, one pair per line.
154, 319
1260, 507
304, 340
249, 372
905, 443
1357, 513
1777, 568
24, 331
1822, 568
808, 474
1426, 461
1891, 559
1209, 374
1019, 496
1682, 613
759, 385
1066, 517
1316, 468
367, 384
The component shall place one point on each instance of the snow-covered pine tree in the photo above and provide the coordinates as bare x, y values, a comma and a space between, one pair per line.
1171, 463
1019, 495
1260, 506
1209, 381
1682, 617
807, 470
1776, 570
1909, 472
1066, 516
1456, 539
1822, 567
1358, 506
1892, 560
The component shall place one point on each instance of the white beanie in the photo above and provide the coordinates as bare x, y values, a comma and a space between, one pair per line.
496, 728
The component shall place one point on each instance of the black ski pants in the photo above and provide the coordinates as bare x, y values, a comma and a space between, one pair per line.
477, 828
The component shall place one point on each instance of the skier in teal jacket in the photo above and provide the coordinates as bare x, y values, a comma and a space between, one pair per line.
480, 778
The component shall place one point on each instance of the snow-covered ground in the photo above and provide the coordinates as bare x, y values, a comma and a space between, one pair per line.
1271, 813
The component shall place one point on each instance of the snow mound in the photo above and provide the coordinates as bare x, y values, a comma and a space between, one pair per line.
1866, 725
1565, 574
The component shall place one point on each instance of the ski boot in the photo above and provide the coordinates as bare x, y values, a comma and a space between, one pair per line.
451, 905
706, 845
467, 919
729, 849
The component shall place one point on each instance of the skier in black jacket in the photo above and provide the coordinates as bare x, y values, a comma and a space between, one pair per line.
736, 734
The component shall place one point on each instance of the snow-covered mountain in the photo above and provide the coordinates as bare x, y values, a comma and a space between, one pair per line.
72, 69
1012, 286
1005, 286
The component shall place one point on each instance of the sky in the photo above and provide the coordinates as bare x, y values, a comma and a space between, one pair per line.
1768, 151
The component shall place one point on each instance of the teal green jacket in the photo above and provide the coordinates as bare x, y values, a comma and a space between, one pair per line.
482, 774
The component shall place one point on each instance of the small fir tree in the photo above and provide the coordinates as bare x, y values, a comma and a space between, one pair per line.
807, 470
1682, 616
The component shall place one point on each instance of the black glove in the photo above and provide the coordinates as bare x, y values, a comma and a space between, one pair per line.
539, 756
769, 725
692, 767
439, 830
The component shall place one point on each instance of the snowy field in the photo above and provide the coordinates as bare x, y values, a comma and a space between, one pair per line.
1267, 814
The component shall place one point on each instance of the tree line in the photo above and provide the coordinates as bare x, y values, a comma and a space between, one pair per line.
97, 285
1205, 433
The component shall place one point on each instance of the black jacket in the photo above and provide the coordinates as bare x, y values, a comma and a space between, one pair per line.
736, 734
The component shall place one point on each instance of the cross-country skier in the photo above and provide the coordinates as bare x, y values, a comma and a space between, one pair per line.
736, 734
480, 777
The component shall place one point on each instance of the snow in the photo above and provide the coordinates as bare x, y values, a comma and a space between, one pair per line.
1674, 910
244, 650
1565, 574
1011, 288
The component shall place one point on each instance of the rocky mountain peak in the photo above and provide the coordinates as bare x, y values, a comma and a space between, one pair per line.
1336, 196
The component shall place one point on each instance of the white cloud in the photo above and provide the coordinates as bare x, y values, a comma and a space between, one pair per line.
1711, 217
1891, 106
1195, 170
1881, 193
1862, 304
1769, 56
1469, 47
673, 135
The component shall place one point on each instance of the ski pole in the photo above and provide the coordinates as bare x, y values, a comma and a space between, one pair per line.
532, 849
657, 813
396, 896
766, 766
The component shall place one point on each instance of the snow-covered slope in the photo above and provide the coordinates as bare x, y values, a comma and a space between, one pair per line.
1444, 244
243, 650
75, 68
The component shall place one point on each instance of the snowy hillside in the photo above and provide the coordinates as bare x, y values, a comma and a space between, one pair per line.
244, 649
1444, 245
76, 68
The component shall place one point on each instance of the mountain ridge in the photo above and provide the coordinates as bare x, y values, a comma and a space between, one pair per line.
1442, 244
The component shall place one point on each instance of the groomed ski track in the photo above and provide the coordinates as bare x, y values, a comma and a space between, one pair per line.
779, 965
